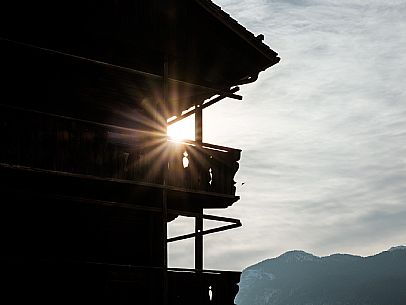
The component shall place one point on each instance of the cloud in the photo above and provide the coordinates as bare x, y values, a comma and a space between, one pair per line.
323, 132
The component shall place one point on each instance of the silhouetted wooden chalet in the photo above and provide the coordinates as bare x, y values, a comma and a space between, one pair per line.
88, 176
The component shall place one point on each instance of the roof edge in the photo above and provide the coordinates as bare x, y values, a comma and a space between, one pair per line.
232, 24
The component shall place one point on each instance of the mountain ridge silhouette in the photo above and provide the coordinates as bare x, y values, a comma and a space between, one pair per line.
300, 278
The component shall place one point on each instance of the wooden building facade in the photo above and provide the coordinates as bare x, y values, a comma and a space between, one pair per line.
89, 177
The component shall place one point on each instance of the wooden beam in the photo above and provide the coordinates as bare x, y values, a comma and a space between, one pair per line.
235, 223
130, 70
205, 105
215, 230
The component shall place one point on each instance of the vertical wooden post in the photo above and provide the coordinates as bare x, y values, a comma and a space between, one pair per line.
199, 220
199, 258
164, 192
199, 243
198, 124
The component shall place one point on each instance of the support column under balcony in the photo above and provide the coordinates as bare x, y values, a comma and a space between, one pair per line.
199, 242
199, 220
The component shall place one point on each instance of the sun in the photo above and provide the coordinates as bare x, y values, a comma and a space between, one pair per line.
182, 130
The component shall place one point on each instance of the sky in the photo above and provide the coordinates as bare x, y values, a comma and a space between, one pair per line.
322, 133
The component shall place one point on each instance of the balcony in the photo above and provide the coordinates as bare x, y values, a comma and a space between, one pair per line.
64, 146
71, 282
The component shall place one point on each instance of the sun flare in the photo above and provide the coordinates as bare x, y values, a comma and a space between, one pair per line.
182, 130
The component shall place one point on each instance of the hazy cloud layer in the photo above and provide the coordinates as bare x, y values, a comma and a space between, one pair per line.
323, 133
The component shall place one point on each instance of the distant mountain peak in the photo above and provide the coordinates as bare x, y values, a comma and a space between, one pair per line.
297, 256
341, 257
396, 248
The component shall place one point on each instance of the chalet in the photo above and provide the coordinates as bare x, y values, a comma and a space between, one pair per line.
89, 179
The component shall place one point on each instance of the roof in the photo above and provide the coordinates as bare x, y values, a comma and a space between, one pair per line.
118, 47
227, 20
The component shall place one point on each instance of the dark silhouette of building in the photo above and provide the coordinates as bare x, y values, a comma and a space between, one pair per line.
88, 177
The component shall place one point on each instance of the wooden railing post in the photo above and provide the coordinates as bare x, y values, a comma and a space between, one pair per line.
199, 242
199, 220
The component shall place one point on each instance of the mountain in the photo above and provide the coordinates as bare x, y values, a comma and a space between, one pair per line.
300, 278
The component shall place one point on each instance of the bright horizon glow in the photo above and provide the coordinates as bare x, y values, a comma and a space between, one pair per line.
182, 130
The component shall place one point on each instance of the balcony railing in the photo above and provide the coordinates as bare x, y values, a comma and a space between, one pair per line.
96, 283
202, 288
63, 144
